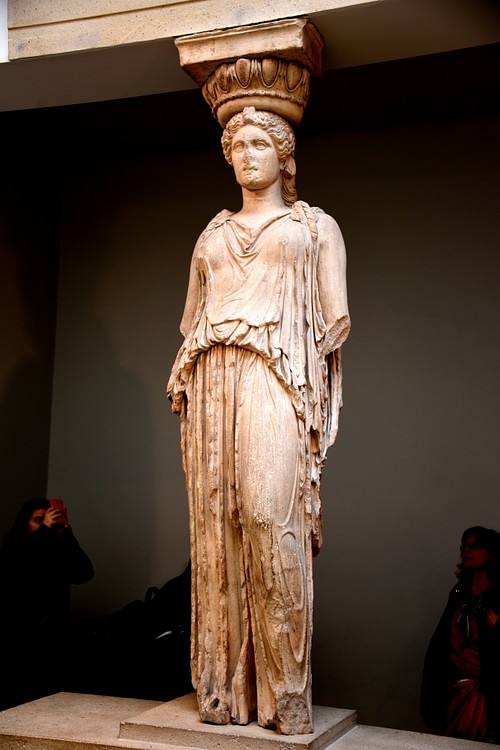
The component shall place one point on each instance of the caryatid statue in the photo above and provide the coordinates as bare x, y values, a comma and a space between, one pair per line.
257, 385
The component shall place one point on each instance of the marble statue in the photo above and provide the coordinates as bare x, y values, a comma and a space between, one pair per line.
257, 385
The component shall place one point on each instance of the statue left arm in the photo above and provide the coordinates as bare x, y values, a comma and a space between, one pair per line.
332, 283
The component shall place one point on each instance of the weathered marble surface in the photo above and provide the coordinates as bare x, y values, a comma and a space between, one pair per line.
257, 384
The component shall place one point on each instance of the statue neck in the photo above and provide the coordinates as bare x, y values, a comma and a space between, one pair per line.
260, 205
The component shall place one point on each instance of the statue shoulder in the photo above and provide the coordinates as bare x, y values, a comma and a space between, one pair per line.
327, 226
318, 221
302, 211
323, 218
212, 225
218, 219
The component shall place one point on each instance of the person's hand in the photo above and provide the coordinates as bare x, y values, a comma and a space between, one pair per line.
55, 518
492, 618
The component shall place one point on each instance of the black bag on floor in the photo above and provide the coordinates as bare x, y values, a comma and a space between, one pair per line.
143, 649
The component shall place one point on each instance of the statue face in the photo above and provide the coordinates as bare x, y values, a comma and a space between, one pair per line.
255, 161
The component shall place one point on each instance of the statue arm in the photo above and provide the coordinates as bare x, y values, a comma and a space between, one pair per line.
197, 274
332, 284
192, 297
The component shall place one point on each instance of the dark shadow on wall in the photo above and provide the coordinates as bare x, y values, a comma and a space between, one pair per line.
102, 416
101, 442
29, 226
101, 464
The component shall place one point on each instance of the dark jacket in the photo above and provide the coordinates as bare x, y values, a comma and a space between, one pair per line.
440, 673
36, 573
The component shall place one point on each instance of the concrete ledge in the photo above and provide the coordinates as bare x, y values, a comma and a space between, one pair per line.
70, 721
379, 738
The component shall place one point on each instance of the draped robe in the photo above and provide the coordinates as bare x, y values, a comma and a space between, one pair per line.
257, 383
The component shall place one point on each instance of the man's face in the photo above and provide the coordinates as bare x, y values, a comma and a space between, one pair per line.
255, 161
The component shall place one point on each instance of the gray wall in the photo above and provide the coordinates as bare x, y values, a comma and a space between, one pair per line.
417, 455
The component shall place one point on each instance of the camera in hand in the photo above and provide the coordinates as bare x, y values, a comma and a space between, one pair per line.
58, 504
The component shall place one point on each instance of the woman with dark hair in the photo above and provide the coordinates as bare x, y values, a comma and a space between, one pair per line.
39, 561
461, 680
28, 519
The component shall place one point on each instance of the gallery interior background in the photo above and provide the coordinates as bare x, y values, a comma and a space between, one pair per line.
101, 204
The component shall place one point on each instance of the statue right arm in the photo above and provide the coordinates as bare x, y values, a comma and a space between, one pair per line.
193, 296
195, 286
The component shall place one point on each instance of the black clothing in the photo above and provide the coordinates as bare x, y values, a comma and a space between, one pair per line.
36, 572
440, 668
35, 577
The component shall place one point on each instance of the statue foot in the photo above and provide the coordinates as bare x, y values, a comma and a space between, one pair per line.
214, 713
293, 715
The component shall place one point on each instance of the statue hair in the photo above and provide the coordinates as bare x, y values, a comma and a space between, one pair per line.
282, 137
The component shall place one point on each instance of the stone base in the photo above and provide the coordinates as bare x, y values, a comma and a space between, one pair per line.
177, 723
70, 721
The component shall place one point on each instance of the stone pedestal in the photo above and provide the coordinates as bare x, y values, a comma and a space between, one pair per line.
177, 723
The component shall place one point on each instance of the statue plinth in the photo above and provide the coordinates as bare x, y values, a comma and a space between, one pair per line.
177, 723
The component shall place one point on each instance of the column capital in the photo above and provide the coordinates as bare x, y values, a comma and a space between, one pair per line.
266, 65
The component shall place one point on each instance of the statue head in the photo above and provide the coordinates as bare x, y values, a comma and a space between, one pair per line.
283, 139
